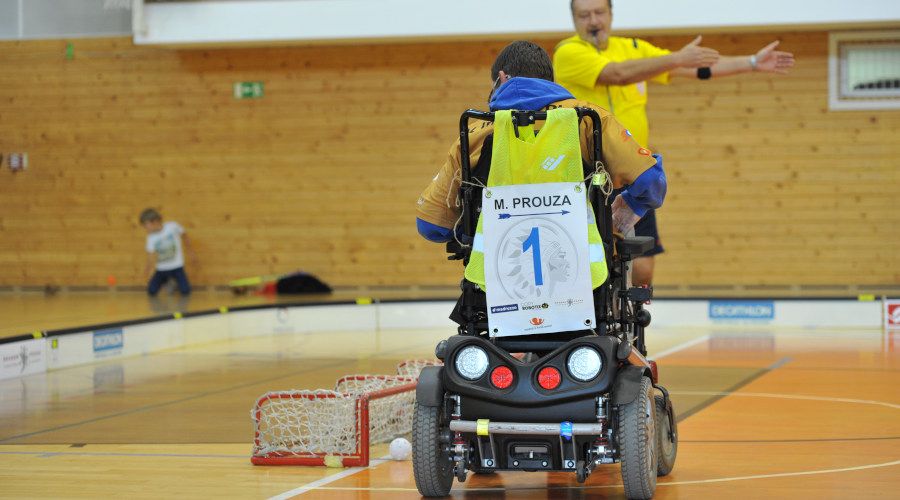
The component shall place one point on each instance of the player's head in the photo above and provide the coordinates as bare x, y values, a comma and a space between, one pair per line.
593, 19
151, 220
523, 58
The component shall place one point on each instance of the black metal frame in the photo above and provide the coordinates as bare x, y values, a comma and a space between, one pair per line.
629, 301
521, 119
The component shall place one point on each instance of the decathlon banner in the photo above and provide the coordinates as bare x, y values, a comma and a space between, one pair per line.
536, 259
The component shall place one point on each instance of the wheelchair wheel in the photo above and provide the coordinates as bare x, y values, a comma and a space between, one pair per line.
431, 464
637, 443
666, 447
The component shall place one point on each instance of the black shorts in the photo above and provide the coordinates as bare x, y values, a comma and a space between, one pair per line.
647, 227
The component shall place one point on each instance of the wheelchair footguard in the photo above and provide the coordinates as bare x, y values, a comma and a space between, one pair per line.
620, 415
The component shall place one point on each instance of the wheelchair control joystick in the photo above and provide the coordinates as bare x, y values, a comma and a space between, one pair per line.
456, 251
642, 317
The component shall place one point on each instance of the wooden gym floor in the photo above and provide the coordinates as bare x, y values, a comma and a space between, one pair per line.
763, 413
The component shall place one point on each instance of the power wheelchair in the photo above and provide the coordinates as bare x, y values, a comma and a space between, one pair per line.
610, 409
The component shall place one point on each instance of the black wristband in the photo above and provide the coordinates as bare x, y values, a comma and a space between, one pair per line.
704, 73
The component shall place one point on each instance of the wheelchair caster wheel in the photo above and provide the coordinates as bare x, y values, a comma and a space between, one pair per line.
581, 472
459, 470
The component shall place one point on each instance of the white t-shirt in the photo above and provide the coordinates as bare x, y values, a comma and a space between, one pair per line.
166, 244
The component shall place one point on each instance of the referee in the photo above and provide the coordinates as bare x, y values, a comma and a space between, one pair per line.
612, 72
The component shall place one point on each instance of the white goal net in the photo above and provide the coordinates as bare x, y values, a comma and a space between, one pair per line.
335, 427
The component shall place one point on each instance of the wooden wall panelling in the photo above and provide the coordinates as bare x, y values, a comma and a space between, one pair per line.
322, 173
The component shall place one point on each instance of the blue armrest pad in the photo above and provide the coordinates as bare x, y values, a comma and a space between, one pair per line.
433, 232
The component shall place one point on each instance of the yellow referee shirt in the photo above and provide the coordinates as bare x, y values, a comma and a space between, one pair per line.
577, 64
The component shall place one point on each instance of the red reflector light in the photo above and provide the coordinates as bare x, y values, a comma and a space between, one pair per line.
502, 377
549, 378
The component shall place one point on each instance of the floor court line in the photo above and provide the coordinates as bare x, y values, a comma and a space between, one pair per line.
680, 347
783, 474
114, 454
731, 390
763, 441
609, 486
317, 484
788, 396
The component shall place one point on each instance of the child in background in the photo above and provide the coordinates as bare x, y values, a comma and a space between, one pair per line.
164, 252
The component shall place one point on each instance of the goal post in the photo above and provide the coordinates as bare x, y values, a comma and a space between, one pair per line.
334, 427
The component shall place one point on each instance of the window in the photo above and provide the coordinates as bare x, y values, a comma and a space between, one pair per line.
864, 70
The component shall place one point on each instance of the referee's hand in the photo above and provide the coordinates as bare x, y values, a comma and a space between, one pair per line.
693, 55
769, 60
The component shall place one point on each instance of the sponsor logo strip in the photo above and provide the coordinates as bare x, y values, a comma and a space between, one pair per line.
108, 340
742, 309
504, 309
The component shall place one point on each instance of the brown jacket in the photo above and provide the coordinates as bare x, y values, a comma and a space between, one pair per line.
625, 160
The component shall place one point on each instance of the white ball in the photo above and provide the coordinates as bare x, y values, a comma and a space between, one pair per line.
400, 449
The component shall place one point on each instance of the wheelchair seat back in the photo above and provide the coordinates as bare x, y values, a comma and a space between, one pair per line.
536, 248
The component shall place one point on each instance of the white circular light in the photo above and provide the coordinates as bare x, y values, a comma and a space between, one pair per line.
584, 363
471, 362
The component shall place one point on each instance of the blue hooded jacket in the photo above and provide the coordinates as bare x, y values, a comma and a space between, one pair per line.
646, 192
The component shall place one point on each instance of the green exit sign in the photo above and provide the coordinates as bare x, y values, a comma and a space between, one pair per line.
248, 90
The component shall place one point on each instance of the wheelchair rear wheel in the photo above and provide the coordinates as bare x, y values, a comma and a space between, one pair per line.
637, 443
666, 446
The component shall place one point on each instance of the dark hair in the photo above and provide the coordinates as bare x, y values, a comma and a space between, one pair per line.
523, 58
572, 5
149, 215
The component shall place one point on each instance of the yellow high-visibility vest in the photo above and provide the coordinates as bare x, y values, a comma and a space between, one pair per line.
524, 160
